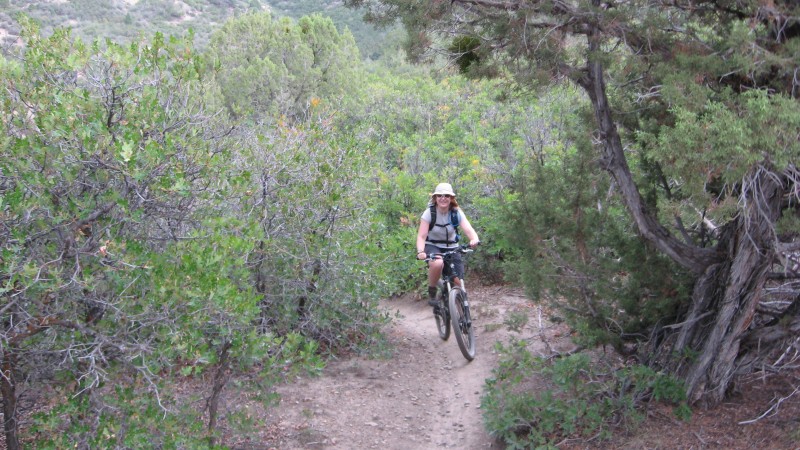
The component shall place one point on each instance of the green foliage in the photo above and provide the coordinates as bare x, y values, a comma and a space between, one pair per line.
120, 247
267, 68
516, 321
584, 398
395, 204
128, 419
788, 224
205, 282
422, 130
179, 243
464, 49
580, 252
300, 197
711, 147
370, 40
78, 169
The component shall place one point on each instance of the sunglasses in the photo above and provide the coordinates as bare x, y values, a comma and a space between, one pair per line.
442, 196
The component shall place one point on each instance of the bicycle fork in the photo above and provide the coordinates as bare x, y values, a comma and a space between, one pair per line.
467, 317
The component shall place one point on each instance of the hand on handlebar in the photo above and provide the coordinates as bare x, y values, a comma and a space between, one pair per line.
430, 256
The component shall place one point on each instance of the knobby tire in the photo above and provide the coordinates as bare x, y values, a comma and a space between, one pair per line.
442, 321
462, 325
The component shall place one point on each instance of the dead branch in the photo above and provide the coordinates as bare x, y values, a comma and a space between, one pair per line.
772, 409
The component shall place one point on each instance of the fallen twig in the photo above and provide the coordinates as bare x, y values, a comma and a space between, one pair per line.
772, 409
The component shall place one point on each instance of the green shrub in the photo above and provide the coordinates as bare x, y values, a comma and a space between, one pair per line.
583, 398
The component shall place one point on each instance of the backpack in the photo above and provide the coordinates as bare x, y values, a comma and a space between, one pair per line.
455, 219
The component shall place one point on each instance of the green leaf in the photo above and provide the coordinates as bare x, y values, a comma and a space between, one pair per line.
126, 152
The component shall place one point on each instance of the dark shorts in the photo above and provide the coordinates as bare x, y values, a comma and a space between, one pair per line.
458, 263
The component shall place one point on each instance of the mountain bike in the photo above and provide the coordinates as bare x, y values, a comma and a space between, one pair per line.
453, 307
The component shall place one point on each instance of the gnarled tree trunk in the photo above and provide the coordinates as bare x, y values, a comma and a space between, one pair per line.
703, 348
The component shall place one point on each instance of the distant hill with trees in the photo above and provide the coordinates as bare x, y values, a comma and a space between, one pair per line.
125, 20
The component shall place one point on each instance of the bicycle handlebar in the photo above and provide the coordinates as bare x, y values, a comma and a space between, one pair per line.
465, 248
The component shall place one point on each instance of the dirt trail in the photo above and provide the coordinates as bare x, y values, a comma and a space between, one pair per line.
425, 396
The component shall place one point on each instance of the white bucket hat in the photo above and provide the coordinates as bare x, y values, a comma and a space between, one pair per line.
444, 188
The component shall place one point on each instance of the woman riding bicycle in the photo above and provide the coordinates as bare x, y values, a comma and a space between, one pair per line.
439, 235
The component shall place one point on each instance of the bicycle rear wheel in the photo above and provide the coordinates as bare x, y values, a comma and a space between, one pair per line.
442, 317
462, 323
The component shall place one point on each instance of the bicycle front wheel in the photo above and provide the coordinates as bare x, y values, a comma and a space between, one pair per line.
462, 323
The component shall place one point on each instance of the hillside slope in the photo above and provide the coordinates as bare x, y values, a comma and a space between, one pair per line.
126, 20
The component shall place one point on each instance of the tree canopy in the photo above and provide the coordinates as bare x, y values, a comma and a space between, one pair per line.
269, 67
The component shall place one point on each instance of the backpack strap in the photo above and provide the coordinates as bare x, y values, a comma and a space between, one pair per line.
455, 219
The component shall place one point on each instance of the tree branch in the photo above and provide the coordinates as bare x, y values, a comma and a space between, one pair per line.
613, 160
506, 6
105, 209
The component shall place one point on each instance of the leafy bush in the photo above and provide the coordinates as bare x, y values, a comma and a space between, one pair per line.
583, 398
127, 249
269, 68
